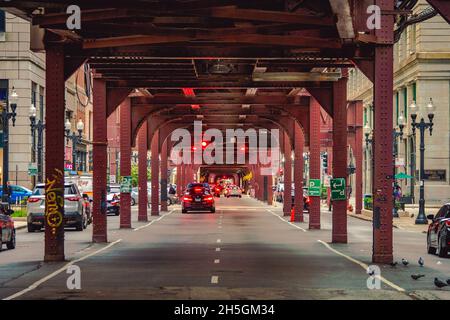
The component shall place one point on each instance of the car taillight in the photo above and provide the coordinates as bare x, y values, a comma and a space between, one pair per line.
308, 200
32, 200
447, 223
198, 189
73, 198
186, 198
208, 198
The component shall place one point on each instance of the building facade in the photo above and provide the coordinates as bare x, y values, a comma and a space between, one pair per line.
421, 72
24, 70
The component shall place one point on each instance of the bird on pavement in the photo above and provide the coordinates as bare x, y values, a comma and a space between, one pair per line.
417, 276
421, 261
448, 282
405, 262
438, 283
393, 264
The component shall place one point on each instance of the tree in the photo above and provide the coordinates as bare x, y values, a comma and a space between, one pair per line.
135, 174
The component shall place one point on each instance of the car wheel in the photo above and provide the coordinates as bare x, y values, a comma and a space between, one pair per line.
79, 227
31, 228
133, 202
240, 196
442, 248
12, 244
213, 210
117, 213
183, 211
430, 249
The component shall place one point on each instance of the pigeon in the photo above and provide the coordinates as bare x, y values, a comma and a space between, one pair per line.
448, 282
417, 276
421, 262
405, 262
438, 283
394, 264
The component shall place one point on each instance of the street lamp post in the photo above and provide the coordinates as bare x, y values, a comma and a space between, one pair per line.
395, 135
6, 115
75, 137
38, 126
422, 126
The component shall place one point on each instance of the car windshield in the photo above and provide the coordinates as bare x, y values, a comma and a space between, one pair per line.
40, 190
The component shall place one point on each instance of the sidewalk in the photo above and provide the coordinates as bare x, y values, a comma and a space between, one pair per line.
20, 223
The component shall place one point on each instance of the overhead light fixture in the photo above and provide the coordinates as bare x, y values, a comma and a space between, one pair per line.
200, 116
242, 116
220, 68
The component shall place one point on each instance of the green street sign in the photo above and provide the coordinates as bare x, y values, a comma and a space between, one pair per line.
314, 188
32, 169
125, 184
338, 189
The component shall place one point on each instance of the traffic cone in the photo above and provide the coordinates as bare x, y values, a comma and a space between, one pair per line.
292, 215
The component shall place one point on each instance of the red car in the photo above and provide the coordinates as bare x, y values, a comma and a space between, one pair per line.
197, 198
7, 229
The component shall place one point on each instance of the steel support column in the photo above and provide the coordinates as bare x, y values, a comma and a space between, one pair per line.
179, 179
382, 140
358, 152
155, 173
54, 154
314, 160
339, 228
142, 169
100, 160
287, 194
164, 172
299, 142
269, 190
125, 161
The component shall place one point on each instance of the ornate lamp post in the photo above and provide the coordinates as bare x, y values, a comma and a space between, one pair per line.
395, 135
422, 126
6, 115
75, 137
38, 126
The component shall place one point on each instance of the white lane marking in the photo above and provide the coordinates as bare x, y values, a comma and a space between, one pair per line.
217, 249
215, 279
153, 221
362, 265
55, 273
220, 227
219, 241
288, 222
217, 261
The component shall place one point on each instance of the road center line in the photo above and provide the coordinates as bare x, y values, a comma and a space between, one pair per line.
217, 249
153, 221
55, 273
362, 265
288, 222
216, 261
219, 241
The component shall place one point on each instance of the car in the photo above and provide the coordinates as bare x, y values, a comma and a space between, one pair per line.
18, 193
233, 191
113, 200
7, 229
217, 190
438, 235
197, 198
74, 208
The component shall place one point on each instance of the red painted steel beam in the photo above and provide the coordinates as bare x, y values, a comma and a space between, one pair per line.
299, 142
443, 7
155, 173
100, 158
54, 154
125, 161
382, 141
339, 227
314, 160
142, 168
287, 195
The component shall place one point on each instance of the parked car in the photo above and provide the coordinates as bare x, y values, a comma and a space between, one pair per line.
197, 198
74, 208
233, 191
438, 235
113, 199
7, 229
18, 193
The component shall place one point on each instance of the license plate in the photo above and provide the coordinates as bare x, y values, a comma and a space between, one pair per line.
198, 200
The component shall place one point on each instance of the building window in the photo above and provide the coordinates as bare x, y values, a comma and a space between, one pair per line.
34, 94
396, 106
405, 102
41, 103
2, 21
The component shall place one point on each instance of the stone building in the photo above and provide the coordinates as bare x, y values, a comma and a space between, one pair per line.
24, 70
421, 72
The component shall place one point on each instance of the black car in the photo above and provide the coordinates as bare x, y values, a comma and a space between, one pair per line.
197, 198
438, 236
7, 230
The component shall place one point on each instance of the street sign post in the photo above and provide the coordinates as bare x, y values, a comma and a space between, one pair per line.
32, 169
338, 189
314, 189
125, 184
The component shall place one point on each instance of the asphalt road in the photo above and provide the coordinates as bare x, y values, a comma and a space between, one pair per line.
245, 250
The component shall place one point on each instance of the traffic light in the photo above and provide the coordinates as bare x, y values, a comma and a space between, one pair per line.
325, 160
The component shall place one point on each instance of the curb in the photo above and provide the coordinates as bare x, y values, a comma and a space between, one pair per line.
368, 219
